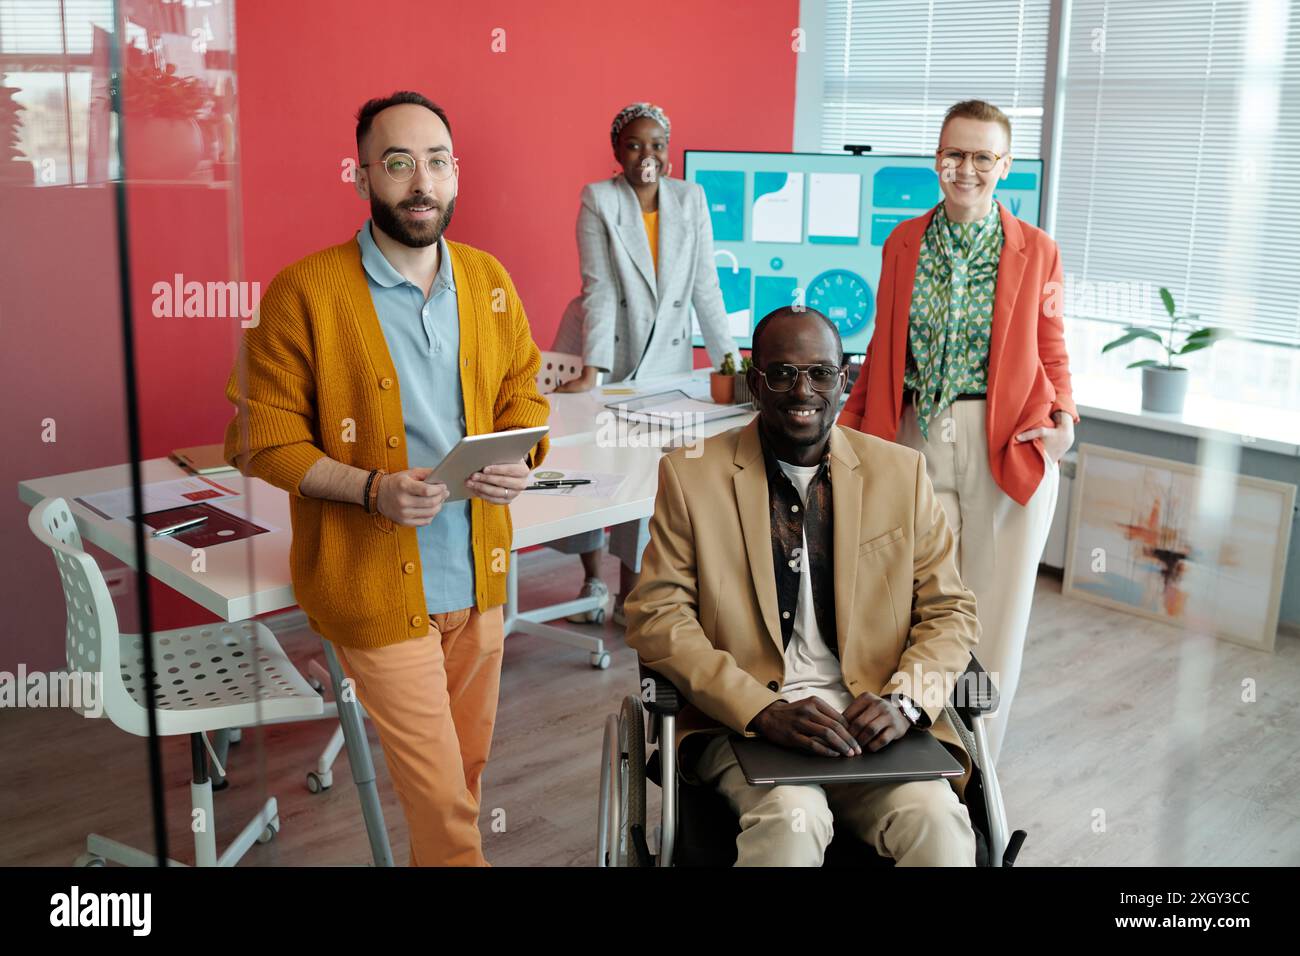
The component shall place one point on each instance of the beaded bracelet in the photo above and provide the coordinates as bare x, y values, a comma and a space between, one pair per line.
365, 494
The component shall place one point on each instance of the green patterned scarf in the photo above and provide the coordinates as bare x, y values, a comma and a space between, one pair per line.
951, 317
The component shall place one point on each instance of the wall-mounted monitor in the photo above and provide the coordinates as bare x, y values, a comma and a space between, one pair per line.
810, 227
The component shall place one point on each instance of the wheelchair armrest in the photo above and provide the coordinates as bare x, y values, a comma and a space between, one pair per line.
664, 698
975, 692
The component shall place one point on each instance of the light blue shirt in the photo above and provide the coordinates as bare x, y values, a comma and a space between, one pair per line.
423, 338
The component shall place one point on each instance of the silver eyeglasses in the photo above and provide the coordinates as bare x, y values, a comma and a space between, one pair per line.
401, 166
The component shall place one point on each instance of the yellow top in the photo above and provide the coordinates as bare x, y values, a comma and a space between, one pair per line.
651, 220
314, 377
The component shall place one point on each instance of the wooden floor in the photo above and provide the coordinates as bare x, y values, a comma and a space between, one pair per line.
1129, 745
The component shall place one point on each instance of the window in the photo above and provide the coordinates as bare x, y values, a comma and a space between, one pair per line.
47, 57
886, 71
56, 124
1179, 141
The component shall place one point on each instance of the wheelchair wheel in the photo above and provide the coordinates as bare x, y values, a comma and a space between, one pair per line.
631, 745
620, 839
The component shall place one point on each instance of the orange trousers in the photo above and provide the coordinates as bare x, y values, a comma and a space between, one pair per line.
433, 700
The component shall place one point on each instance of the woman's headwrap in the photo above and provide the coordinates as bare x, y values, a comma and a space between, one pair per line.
636, 111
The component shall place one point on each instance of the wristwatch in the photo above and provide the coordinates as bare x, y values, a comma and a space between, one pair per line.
909, 709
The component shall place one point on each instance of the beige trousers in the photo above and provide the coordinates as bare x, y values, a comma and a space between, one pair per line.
999, 542
918, 823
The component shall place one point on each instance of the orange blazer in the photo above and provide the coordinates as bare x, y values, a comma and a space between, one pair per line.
1029, 372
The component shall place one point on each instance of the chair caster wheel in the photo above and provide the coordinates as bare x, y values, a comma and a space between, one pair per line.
599, 617
315, 783
600, 660
271, 830
89, 859
236, 735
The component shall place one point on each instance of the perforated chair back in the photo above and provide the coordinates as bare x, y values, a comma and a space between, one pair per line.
91, 634
556, 369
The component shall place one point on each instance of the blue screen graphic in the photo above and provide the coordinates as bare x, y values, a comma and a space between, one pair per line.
808, 227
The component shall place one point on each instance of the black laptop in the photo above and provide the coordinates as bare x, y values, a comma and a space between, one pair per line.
916, 755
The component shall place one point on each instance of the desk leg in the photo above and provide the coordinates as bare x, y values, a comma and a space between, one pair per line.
363, 768
530, 622
221, 747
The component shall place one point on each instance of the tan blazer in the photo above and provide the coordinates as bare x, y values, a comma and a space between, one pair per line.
704, 613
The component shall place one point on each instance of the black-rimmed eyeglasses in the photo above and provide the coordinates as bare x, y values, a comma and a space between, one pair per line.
781, 377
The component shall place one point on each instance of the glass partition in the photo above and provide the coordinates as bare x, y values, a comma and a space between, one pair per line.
124, 301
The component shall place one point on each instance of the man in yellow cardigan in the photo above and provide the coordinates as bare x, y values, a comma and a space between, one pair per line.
369, 357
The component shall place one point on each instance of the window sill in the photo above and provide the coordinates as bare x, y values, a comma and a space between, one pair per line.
1240, 392
1204, 417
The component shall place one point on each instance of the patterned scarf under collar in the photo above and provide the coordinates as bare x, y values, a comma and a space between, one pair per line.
952, 309
792, 522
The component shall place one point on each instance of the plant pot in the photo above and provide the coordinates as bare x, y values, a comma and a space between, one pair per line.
162, 148
742, 396
1164, 389
722, 388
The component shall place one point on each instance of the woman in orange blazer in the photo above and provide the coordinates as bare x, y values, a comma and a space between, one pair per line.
968, 365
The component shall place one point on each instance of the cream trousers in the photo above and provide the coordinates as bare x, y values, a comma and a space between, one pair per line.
999, 542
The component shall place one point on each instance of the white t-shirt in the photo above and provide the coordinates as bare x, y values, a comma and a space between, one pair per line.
810, 667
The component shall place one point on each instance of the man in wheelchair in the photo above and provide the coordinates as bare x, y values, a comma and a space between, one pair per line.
800, 585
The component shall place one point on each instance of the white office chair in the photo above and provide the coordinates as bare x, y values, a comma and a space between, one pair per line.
556, 369
206, 678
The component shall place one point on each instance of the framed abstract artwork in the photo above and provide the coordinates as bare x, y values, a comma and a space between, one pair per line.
1190, 546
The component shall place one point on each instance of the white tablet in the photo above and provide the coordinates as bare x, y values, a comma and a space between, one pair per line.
475, 452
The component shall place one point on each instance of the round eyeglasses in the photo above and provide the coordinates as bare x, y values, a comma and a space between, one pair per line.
983, 159
401, 166
781, 377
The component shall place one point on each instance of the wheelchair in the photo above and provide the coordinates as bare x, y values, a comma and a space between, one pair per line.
697, 827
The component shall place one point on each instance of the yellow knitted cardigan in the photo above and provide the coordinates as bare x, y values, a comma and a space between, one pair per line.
314, 377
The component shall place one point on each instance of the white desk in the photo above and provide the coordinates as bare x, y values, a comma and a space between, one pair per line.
540, 518
579, 417
242, 579
251, 576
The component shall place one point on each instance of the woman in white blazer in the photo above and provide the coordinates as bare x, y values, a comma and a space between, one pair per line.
645, 245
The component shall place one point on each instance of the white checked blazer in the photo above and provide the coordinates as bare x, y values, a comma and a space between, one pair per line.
629, 321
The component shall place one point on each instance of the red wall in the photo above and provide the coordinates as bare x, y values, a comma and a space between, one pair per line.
61, 359
530, 126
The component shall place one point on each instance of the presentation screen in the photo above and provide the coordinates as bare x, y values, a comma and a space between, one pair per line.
809, 227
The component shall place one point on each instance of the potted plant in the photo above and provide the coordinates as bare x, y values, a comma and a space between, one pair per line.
1164, 384
163, 110
722, 383
14, 166
742, 396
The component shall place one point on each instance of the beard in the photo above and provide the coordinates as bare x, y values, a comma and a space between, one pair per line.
411, 233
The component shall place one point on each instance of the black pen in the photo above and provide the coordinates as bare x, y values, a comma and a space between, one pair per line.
543, 485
